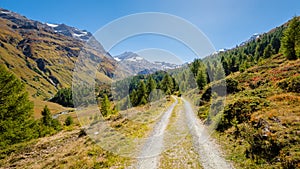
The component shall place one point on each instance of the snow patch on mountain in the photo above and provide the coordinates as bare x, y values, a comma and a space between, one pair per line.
52, 25
5, 12
70, 31
252, 38
135, 59
79, 35
134, 64
117, 59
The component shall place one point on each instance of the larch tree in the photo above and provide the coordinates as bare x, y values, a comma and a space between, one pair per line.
16, 121
201, 79
105, 106
290, 42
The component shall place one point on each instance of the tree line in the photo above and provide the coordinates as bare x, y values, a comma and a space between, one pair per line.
142, 89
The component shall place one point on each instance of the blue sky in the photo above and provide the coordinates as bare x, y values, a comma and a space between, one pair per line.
225, 22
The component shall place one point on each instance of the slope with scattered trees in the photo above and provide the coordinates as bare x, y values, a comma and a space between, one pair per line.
261, 113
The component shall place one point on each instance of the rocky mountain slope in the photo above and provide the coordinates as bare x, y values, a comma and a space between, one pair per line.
43, 55
133, 64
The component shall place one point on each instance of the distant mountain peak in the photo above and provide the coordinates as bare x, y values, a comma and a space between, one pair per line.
252, 38
135, 64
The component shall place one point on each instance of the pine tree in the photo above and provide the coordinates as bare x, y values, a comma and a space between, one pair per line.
133, 98
142, 93
49, 125
175, 85
201, 79
219, 74
167, 83
143, 101
195, 66
105, 106
16, 121
269, 51
233, 64
151, 85
275, 44
226, 66
46, 119
168, 92
290, 43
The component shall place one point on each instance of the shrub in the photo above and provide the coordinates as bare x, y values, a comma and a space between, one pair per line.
291, 84
263, 144
294, 84
239, 111
232, 86
69, 121
82, 133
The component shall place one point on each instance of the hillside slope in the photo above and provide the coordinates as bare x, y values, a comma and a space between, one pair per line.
43, 57
259, 125
270, 136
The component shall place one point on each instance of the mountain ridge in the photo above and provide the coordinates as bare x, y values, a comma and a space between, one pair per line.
136, 64
44, 59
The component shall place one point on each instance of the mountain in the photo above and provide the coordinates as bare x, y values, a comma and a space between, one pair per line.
134, 64
71, 31
43, 55
252, 38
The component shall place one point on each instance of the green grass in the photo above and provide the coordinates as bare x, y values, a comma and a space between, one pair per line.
268, 139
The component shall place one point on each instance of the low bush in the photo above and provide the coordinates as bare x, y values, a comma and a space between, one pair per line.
291, 84
239, 111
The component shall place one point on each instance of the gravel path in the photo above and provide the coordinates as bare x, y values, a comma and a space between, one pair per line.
210, 156
149, 156
208, 153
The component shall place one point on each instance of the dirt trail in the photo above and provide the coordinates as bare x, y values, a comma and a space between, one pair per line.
149, 156
210, 156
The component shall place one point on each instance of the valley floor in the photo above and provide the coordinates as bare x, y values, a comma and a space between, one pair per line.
176, 139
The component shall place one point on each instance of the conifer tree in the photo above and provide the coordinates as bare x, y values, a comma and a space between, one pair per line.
142, 93
195, 66
46, 119
290, 43
105, 106
219, 73
269, 51
133, 98
201, 79
167, 83
16, 121
151, 85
